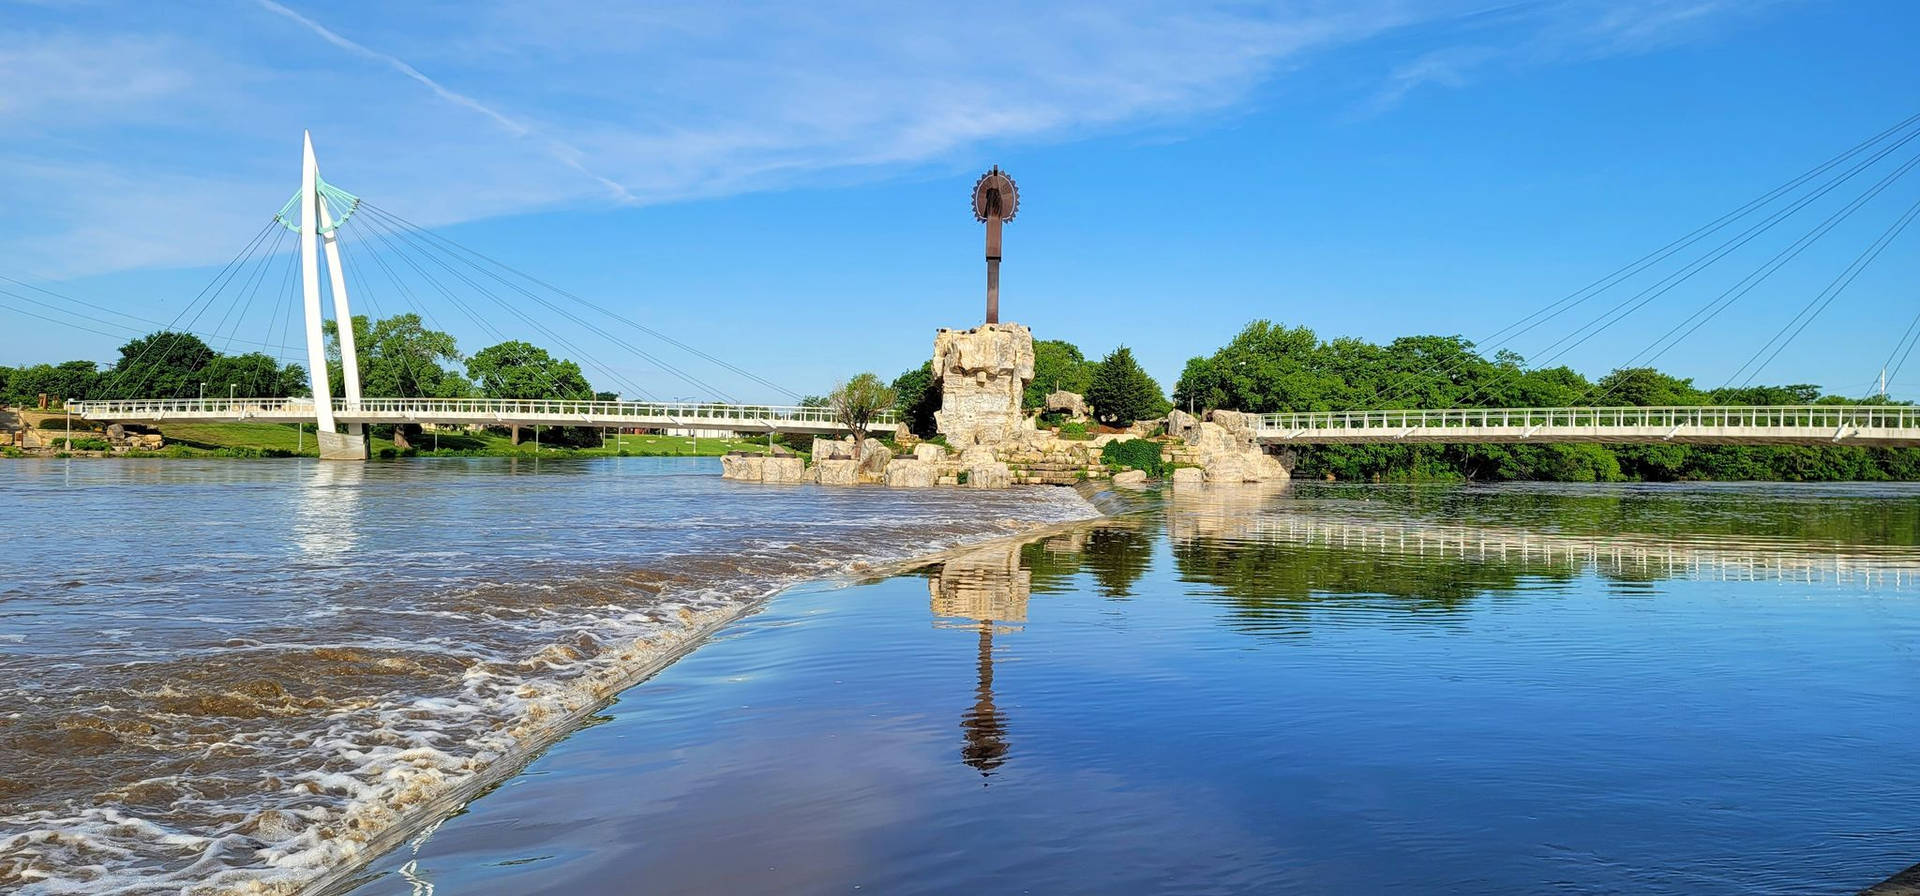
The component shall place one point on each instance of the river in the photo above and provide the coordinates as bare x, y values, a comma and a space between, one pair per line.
230, 674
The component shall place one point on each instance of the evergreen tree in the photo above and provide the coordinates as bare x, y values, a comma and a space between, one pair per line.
1121, 392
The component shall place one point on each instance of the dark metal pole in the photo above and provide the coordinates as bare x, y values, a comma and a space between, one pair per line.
993, 269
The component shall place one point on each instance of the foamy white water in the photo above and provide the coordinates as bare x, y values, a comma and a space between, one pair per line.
236, 677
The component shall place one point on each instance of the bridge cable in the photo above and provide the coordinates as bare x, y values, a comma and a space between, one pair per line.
1625, 272
593, 306
517, 312
1621, 310
210, 292
394, 247
1824, 298
622, 343
400, 231
1772, 265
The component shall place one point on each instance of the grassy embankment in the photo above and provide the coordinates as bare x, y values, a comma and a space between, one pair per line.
283, 440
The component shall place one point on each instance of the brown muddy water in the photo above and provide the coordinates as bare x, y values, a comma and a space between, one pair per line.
232, 676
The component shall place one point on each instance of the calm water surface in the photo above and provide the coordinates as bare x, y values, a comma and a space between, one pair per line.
222, 675
1330, 689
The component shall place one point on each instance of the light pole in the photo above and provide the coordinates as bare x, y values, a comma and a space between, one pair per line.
203, 396
691, 432
232, 395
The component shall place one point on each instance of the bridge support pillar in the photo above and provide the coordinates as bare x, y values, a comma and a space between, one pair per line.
314, 219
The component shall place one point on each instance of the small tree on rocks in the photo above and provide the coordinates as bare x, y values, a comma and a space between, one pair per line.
856, 402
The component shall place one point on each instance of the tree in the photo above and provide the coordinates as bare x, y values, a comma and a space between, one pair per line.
1056, 365
856, 402
399, 358
1121, 392
1646, 387
164, 364
255, 375
516, 369
1267, 368
66, 381
916, 400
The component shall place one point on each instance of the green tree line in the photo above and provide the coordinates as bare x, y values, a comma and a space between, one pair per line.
1270, 368
398, 356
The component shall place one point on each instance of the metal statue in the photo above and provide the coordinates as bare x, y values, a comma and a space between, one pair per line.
995, 199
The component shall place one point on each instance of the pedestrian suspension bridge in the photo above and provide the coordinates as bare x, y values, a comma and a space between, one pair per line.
419, 264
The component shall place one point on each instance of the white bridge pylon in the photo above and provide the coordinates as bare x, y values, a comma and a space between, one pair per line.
316, 226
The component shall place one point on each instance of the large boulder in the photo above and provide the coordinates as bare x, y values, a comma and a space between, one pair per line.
1187, 478
1130, 478
905, 472
835, 472
1072, 404
929, 452
993, 474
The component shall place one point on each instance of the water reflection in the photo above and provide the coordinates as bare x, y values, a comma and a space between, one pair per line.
325, 523
989, 588
1271, 556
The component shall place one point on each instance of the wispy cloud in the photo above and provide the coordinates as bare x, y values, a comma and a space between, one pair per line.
502, 106
567, 155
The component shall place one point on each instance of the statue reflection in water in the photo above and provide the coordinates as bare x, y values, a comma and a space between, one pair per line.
990, 588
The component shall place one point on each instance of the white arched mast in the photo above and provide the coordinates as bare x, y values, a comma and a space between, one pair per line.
316, 224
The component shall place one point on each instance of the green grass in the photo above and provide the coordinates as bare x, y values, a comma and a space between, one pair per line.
204, 439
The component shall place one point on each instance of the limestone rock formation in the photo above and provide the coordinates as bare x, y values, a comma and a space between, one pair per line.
1227, 447
907, 472
761, 467
981, 374
1130, 478
992, 474
1073, 404
1187, 477
834, 472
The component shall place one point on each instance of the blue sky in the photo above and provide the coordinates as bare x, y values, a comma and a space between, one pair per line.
784, 185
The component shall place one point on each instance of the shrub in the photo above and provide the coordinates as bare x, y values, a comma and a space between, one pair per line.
388, 454
10, 451
1075, 430
90, 445
1134, 454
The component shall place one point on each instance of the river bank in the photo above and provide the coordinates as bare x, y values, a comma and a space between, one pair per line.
360, 673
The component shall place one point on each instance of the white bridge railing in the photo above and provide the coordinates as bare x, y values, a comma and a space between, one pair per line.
1886, 424
714, 415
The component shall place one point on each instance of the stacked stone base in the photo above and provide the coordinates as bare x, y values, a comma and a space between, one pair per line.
1221, 450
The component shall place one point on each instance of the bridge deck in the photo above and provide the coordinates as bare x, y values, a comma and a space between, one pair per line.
479, 411
1874, 425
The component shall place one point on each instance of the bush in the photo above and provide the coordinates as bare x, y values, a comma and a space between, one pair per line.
1075, 430
90, 445
1134, 454
388, 454
10, 451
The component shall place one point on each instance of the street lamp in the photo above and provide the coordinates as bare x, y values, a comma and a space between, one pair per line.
203, 396
694, 433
